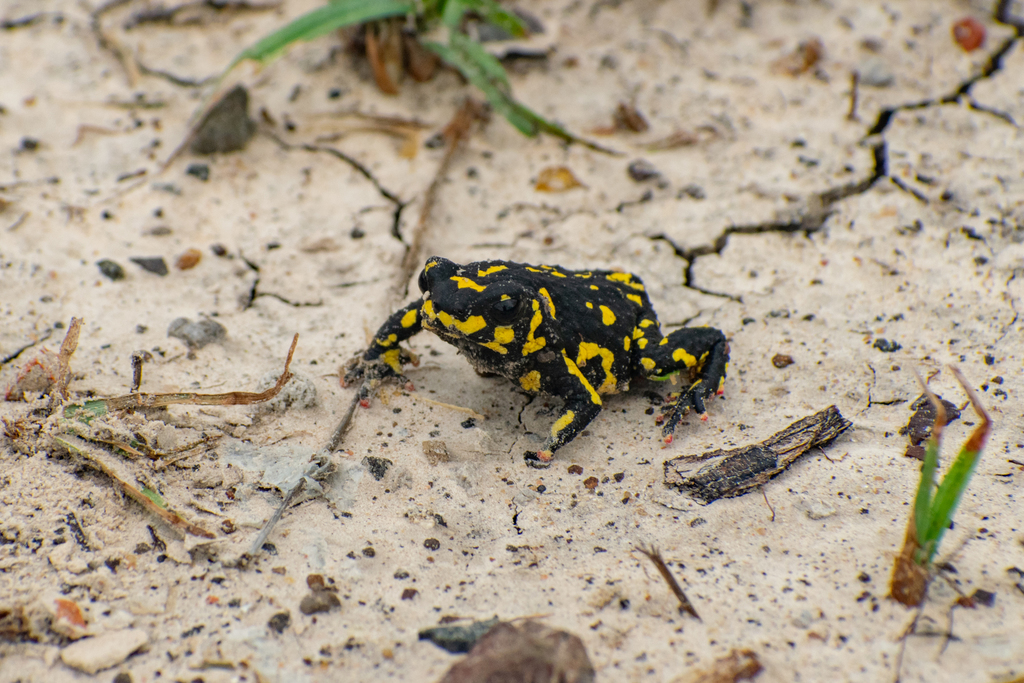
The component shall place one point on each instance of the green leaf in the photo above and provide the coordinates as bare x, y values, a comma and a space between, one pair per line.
923, 501
85, 412
157, 499
485, 61
323, 20
947, 497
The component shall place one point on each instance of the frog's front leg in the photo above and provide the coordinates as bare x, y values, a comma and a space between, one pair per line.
582, 405
384, 359
702, 353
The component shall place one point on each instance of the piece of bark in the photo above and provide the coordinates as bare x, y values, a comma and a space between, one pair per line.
738, 470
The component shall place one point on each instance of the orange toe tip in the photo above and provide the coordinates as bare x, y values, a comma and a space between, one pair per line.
409, 386
365, 403
720, 392
668, 439
704, 417
544, 456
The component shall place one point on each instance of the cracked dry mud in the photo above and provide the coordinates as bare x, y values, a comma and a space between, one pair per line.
814, 234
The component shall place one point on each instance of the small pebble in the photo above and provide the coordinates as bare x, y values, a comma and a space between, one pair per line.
590, 483
319, 601
782, 361
575, 469
190, 259
436, 451
875, 72
151, 264
432, 544
196, 334
378, 467
280, 621
111, 269
227, 127
886, 346
641, 170
91, 655
201, 171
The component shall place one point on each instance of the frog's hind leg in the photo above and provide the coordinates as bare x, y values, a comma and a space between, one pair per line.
582, 405
701, 354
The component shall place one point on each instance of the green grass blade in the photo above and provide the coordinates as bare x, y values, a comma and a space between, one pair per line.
323, 20
487, 63
947, 497
475, 74
923, 501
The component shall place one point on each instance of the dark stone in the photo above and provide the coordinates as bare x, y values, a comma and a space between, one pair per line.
431, 544
886, 346
457, 639
280, 621
111, 269
319, 601
201, 171
151, 264
378, 466
227, 127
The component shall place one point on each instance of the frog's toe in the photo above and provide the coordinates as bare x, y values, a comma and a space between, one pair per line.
540, 460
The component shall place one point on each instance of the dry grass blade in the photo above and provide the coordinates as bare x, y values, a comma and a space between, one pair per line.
231, 398
67, 349
684, 603
105, 464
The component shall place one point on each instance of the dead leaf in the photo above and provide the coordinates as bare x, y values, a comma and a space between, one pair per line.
556, 179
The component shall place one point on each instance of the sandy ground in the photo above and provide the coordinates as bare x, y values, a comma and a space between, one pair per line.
791, 225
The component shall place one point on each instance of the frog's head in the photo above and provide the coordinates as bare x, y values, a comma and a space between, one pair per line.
485, 303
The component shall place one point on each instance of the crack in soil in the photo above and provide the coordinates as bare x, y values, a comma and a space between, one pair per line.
818, 206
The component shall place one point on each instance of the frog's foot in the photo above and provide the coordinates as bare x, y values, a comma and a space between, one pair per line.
540, 460
681, 404
369, 375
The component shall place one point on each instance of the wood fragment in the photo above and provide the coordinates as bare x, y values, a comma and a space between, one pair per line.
67, 349
738, 665
684, 603
455, 134
737, 471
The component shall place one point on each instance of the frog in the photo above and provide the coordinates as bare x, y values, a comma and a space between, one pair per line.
574, 334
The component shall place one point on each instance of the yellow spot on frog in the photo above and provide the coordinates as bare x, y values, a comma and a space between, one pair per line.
430, 264
472, 324
625, 343
534, 270
635, 299
646, 322
583, 275
551, 304
663, 342
392, 338
626, 279
575, 372
534, 344
647, 363
682, 355
530, 381
594, 287
465, 282
590, 350
428, 309
642, 343
492, 269
409, 319
607, 317
502, 335
637, 333
392, 359
562, 422
590, 305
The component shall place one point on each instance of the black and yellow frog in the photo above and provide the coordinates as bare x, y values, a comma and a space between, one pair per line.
572, 334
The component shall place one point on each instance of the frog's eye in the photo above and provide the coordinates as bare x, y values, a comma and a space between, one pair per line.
506, 310
423, 280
